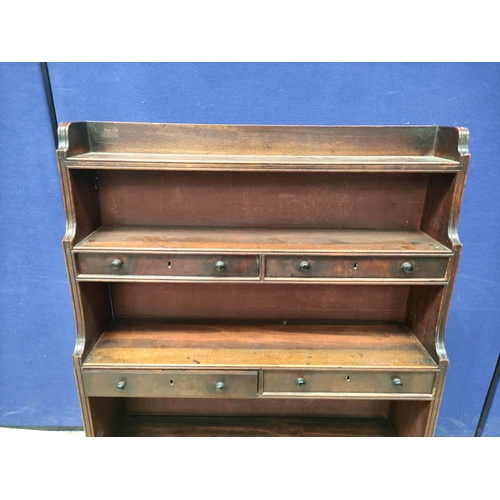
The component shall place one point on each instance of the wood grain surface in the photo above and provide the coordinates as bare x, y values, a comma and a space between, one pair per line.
259, 301
167, 199
258, 200
148, 426
289, 140
154, 239
141, 344
256, 163
196, 265
279, 407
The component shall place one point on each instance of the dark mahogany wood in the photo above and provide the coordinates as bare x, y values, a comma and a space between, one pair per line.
138, 344
355, 267
107, 416
262, 200
259, 301
173, 265
411, 418
307, 269
276, 241
254, 427
270, 407
171, 383
422, 313
220, 147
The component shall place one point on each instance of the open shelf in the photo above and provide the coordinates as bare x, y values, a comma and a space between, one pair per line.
153, 426
248, 280
250, 163
164, 344
259, 147
205, 240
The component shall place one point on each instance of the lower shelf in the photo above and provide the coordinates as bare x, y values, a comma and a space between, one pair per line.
165, 378
257, 417
171, 360
139, 344
153, 426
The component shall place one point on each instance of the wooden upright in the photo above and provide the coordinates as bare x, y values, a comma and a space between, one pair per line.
261, 280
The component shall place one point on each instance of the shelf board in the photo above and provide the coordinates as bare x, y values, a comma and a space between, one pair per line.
138, 344
154, 426
141, 239
218, 162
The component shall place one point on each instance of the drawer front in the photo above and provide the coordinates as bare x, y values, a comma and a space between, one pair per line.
343, 382
123, 264
356, 267
170, 384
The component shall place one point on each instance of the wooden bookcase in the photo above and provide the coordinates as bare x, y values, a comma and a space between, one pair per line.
261, 280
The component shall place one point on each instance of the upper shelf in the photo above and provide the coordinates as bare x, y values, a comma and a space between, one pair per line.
235, 240
142, 161
148, 146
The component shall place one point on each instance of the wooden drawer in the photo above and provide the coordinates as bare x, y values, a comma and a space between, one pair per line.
288, 266
127, 264
298, 382
170, 383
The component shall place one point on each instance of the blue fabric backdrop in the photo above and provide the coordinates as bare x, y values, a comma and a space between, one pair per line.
37, 331
36, 315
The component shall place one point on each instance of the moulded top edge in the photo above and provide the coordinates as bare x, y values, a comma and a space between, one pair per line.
253, 125
79, 138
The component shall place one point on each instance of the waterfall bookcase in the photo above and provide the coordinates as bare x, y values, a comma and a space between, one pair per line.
244, 280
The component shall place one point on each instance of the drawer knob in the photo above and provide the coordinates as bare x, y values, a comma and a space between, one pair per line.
219, 386
220, 266
397, 382
407, 267
305, 266
121, 385
301, 382
116, 264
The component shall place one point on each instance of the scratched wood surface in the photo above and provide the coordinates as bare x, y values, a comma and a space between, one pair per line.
411, 418
141, 344
149, 426
259, 301
154, 138
262, 199
256, 147
182, 265
339, 192
260, 407
255, 163
199, 239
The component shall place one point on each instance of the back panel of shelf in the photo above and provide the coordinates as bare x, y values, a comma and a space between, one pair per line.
264, 200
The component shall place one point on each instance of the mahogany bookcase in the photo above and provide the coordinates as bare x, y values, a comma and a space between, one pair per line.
243, 280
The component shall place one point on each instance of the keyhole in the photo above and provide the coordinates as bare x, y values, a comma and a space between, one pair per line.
171, 382
169, 264
348, 378
355, 266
